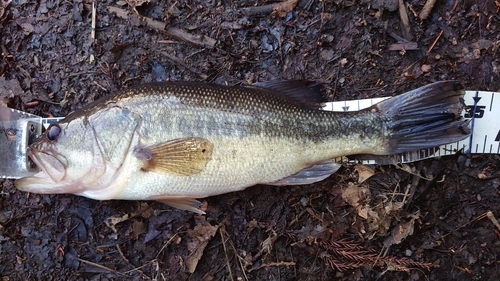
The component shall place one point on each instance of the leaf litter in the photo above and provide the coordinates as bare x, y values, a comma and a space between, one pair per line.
333, 228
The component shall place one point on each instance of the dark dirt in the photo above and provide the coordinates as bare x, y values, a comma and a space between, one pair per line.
264, 233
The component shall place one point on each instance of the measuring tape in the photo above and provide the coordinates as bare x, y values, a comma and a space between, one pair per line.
482, 107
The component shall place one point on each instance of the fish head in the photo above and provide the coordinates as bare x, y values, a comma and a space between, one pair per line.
81, 155
64, 157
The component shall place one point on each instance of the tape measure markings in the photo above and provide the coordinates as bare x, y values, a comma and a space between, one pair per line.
473, 121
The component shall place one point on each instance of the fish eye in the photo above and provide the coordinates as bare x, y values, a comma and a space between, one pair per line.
53, 132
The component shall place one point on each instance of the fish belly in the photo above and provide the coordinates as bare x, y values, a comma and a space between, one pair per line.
235, 165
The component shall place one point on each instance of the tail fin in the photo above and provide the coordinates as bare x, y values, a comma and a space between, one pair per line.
425, 117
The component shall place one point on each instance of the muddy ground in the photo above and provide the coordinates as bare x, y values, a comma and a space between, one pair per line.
424, 221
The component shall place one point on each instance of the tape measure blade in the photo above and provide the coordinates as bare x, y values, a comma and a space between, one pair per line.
352, 105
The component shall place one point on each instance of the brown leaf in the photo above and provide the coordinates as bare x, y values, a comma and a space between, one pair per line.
364, 172
356, 195
3, 7
145, 210
136, 3
112, 221
9, 89
139, 228
281, 9
400, 232
198, 239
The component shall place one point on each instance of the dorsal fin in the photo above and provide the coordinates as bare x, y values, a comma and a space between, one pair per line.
307, 94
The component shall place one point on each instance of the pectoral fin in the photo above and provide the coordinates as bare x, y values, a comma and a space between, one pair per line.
310, 174
186, 156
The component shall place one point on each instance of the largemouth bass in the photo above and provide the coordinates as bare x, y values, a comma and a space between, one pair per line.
177, 141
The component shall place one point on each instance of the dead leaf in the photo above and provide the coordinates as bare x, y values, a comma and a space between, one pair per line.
26, 24
112, 221
281, 9
267, 244
251, 225
426, 68
198, 239
393, 207
139, 228
145, 210
376, 216
400, 232
136, 3
356, 195
3, 7
363, 212
9, 89
364, 172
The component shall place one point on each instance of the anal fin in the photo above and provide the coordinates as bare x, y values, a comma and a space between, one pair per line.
310, 174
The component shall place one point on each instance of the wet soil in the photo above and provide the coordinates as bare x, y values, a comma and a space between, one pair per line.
427, 220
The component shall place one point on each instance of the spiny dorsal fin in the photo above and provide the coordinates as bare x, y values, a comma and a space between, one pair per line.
307, 94
186, 156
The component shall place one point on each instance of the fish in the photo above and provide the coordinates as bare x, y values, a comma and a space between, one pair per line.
176, 142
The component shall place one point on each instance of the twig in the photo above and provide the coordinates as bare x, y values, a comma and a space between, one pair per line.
165, 245
454, 7
492, 218
434, 43
182, 64
264, 9
426, 10
281, 263
413, 186
464, 269
279, 9
93, 25
121, 253
197, 40
100, 266
94, 12
403, 14
403, 46
480, 217
235, 252
100, 86
155, 262
222, 230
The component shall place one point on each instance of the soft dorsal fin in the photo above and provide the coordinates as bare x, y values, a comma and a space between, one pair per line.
307, 94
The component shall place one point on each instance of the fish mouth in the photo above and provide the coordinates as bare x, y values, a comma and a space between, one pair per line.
52, 171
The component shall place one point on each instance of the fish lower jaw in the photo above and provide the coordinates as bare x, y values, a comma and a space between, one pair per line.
40, 183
